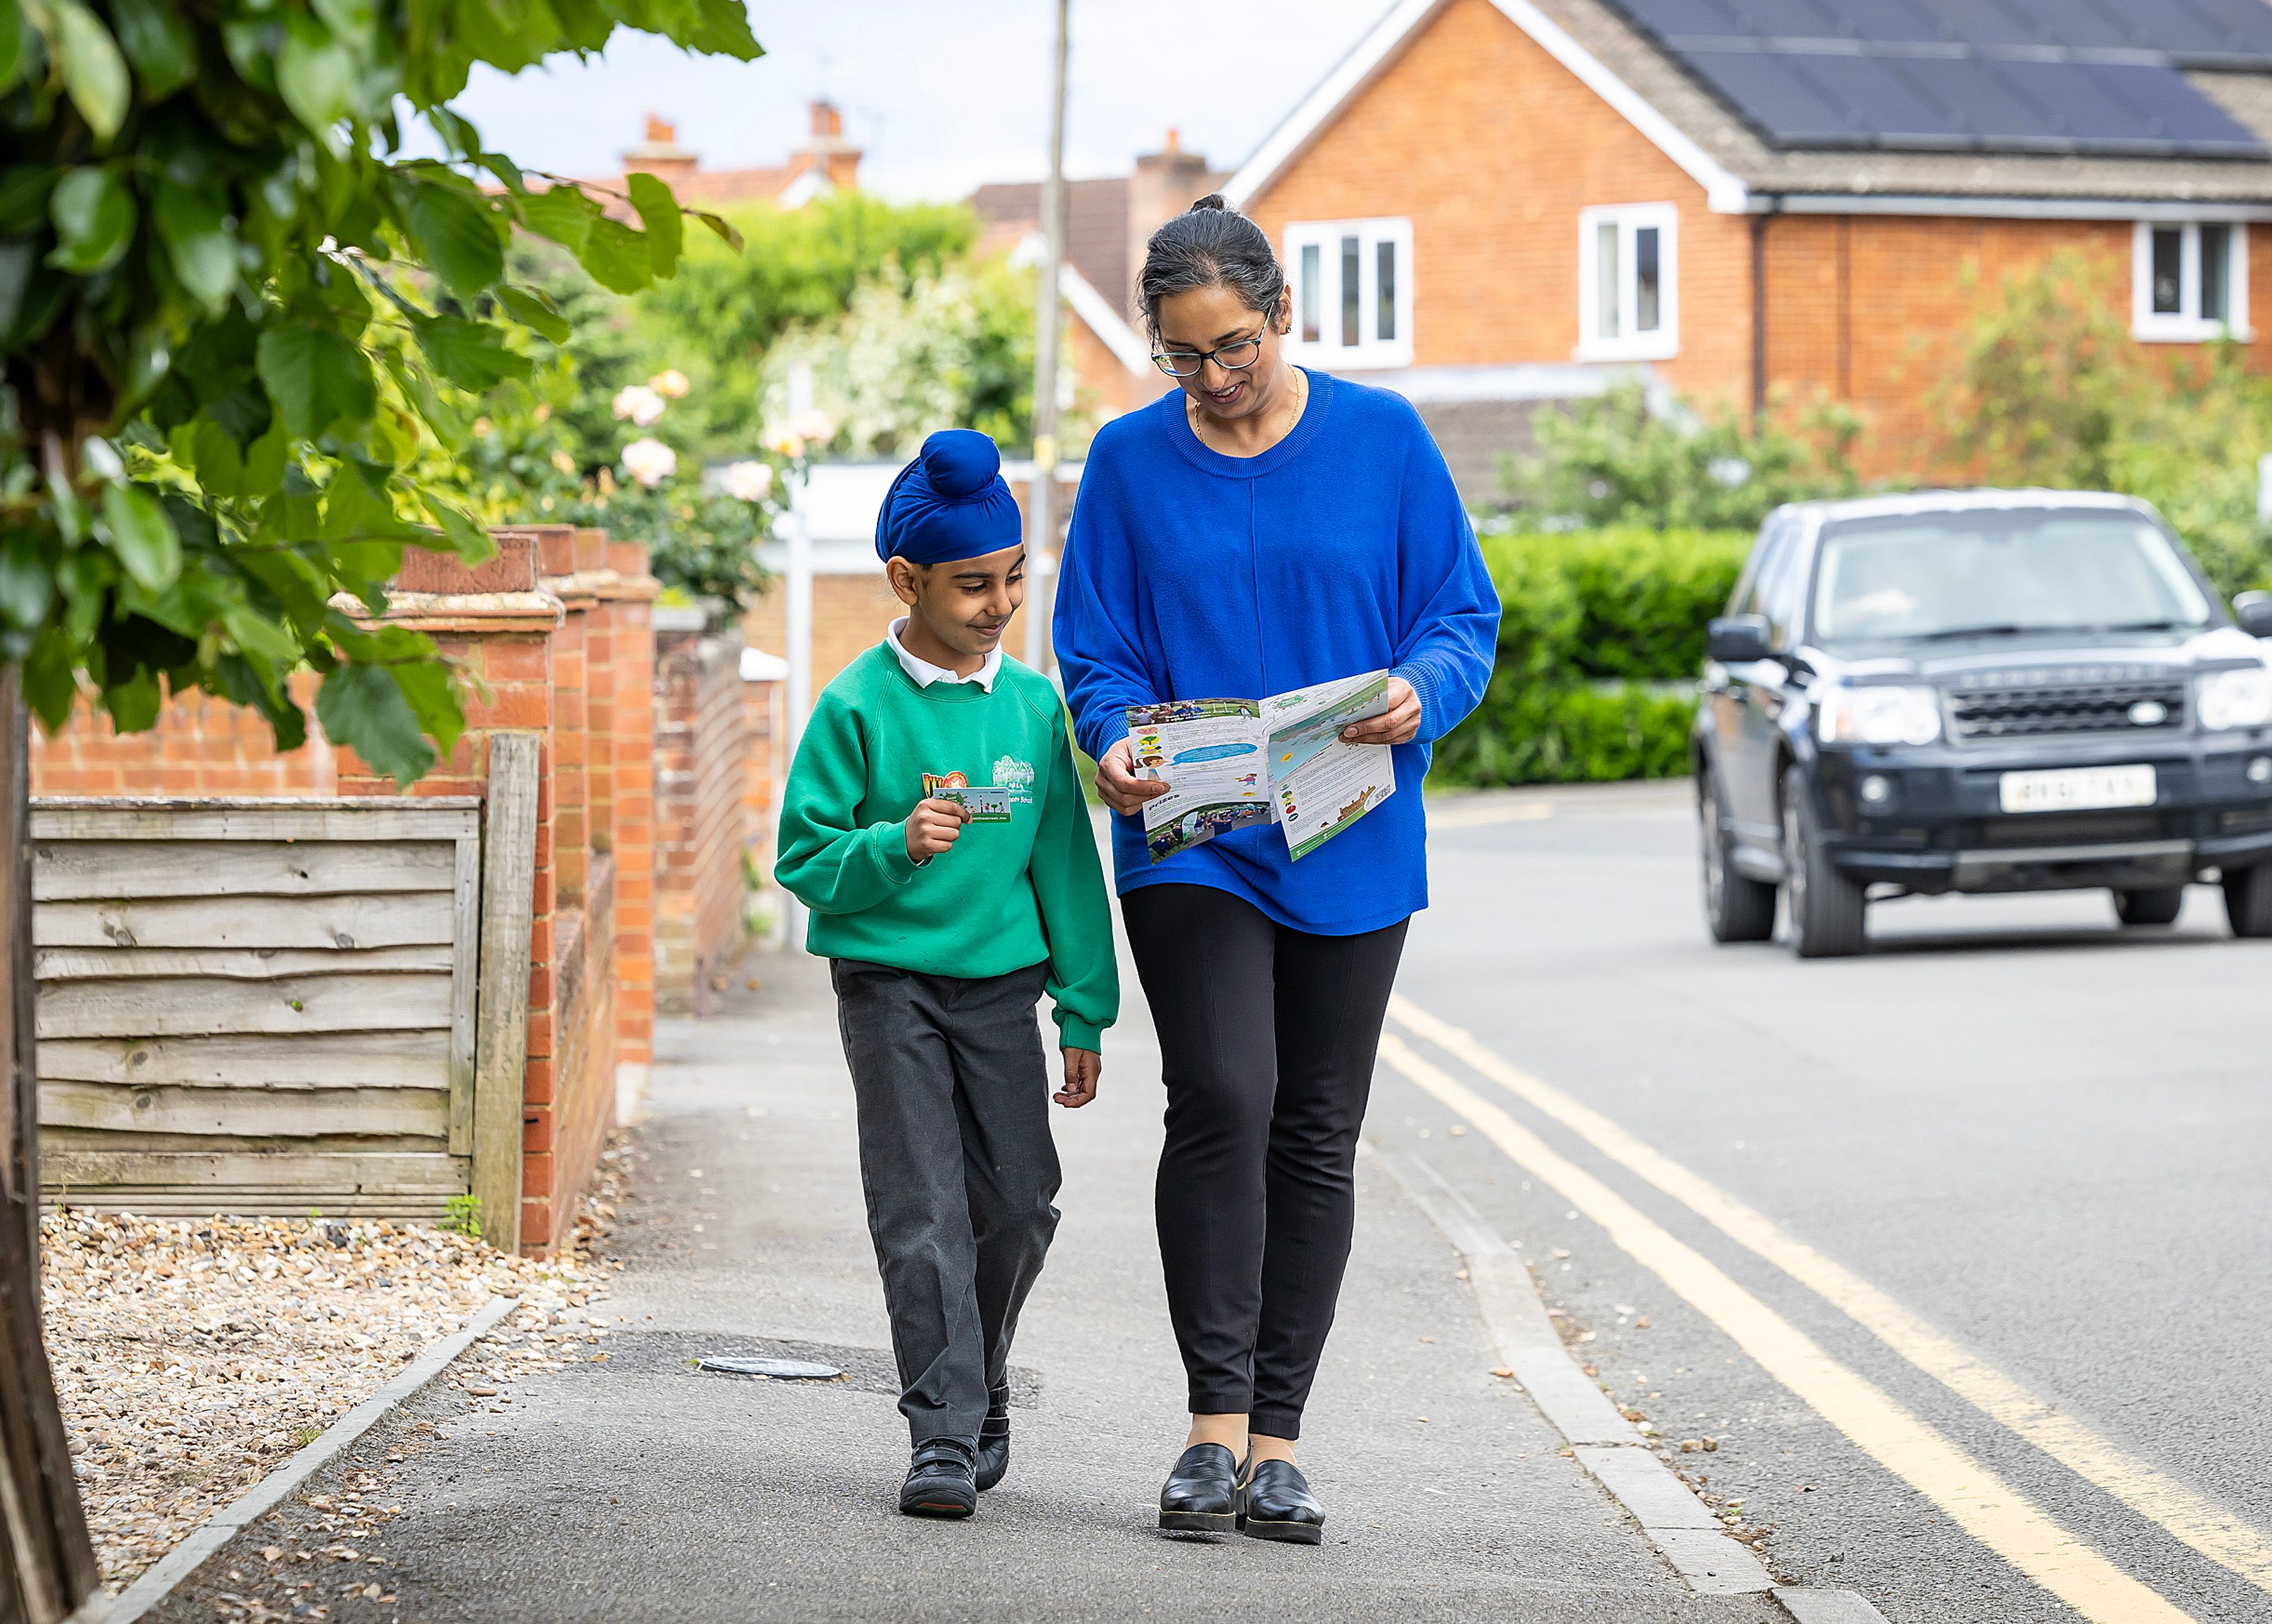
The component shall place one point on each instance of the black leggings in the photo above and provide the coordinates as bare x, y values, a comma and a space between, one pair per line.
1267, 1040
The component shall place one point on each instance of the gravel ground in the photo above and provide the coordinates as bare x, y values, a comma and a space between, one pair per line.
193, 1356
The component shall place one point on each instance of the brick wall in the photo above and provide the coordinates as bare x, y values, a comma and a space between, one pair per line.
200, 746
701, 786
1491, 148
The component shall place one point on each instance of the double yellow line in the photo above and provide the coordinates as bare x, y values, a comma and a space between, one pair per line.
1973, 1495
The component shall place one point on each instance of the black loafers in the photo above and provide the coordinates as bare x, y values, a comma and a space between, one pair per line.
994, 1440
1275, 1503
940, 1482
1202, 1494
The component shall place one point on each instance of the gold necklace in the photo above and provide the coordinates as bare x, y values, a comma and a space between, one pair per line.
1301, 398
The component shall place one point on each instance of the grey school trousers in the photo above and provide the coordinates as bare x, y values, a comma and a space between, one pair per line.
952, 1092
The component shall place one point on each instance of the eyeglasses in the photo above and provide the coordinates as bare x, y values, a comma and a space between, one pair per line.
1235, 356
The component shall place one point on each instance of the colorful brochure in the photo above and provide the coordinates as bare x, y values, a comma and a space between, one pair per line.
1229, 763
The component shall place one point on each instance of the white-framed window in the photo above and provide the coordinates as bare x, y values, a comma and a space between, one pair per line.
1352, 282
2189, 282
1629, 282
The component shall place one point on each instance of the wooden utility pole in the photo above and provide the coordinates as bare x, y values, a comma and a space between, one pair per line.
1042, 502
46, 1563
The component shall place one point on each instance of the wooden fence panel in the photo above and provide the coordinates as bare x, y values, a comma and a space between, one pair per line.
257, 1006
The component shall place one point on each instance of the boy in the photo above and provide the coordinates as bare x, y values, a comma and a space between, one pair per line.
934, 825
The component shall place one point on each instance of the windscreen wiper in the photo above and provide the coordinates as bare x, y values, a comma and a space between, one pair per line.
2011, 629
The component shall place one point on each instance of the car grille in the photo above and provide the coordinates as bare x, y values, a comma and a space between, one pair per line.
2038, 705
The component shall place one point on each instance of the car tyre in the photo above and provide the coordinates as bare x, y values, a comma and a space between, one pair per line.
1826, 910
1737, 907
2249, 900
2159, 906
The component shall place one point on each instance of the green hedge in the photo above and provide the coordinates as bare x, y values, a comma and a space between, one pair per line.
1593, 625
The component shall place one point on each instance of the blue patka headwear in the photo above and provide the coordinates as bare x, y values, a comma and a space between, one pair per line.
949, 503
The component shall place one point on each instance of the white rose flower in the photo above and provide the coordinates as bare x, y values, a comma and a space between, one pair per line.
782, 440
671, 383
749, 482
639, 403
814, 425
650, 462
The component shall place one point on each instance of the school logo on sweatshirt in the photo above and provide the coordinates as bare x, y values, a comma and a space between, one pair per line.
1016, 776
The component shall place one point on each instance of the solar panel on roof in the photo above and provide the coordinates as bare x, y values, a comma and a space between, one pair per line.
1771, 93
1885, 102
2090, 76
2242, 27
1977, 22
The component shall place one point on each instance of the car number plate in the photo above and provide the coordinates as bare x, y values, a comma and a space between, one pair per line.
2077, 789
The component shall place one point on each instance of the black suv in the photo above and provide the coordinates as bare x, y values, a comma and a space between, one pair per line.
1980, 690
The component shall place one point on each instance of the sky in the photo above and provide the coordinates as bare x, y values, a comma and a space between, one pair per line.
942, 95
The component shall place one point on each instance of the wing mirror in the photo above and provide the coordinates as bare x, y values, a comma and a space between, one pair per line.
1740, 639
2254, 612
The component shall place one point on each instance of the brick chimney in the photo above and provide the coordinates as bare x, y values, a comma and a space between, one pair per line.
1165, 183
828, 152
660, 155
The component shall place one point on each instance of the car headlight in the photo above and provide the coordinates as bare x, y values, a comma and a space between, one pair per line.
2240, 697
1888, 715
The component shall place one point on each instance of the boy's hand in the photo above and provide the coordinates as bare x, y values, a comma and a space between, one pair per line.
1081, 1069
932, 827
1117, 784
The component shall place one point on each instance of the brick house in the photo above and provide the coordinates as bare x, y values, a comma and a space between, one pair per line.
1489, 203
827, 163
1108, 219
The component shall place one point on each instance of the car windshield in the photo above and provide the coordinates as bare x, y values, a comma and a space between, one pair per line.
1916, 577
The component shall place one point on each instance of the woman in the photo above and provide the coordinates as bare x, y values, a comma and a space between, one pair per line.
1265, 528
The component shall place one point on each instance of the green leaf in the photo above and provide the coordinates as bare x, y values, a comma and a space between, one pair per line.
465, 536
721, 228
133, 704
26, 589
363, 707
533, 309
264, 460
315, 74
563, 214
455, 233
14, 27
617, 257
24, 187
94, 218
357, 507
95, 74
666, 230
214, 453
317, 378
51, 679
158, 42
193, 223
143, 536
470, 353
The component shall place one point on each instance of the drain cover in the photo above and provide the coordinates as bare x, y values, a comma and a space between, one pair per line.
782, 1370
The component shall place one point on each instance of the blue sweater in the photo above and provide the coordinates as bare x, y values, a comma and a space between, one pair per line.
1343, 549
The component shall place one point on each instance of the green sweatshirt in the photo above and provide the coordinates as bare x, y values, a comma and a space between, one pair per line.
1006, 896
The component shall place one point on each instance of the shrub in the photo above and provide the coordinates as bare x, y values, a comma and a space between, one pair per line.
1594, 627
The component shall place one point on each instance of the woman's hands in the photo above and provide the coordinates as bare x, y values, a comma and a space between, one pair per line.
1124, 791
932, 827
1398, 724
1082, 1068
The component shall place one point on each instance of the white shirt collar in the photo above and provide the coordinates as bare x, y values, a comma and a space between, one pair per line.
925, 673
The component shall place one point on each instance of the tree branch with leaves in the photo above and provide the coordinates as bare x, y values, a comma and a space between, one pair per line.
232, 313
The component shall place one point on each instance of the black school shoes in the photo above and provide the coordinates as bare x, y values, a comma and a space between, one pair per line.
1202, 1494
1275, 1503
940, 1480
994, 1440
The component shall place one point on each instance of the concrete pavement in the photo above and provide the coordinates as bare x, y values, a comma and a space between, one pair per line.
640, 1489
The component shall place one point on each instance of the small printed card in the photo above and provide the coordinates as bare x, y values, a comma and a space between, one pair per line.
984, 804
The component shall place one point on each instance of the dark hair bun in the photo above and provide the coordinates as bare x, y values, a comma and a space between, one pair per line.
1212, 200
